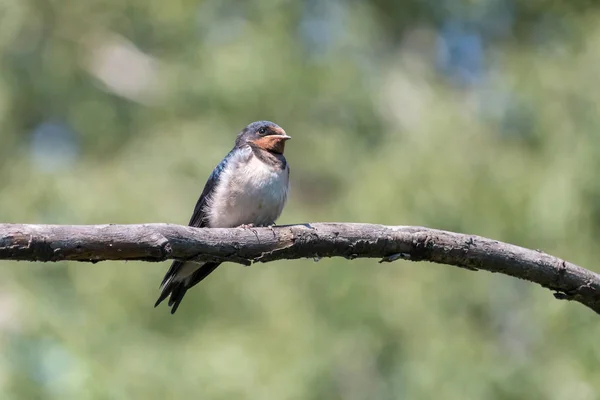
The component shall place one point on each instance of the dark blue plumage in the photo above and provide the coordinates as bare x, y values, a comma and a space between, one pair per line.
248, 187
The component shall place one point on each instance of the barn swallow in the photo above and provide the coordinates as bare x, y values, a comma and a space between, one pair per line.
248, 188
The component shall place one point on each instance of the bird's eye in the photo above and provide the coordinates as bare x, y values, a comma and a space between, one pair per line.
262, 130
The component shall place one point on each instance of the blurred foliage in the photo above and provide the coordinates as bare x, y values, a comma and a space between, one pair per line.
474, 116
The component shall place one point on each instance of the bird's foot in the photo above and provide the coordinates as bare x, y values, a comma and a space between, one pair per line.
246, 226
271, 228
249, 226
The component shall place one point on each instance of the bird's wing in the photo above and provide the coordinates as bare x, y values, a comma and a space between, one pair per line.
199, 216
173, 286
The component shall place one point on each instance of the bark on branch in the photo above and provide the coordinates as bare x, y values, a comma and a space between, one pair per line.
159, 242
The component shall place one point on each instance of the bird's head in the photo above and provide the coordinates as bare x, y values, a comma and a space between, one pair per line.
265, 135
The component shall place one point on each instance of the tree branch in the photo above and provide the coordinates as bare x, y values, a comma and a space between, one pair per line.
159, 242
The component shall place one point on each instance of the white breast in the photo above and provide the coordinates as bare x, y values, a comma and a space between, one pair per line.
249, 192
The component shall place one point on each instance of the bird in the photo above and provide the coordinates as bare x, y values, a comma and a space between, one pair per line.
248, 188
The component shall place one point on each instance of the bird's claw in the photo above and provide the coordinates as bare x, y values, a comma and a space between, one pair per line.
249, 226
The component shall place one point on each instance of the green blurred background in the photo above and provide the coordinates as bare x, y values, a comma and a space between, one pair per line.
475, 116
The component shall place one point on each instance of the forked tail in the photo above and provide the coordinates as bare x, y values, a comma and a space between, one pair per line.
179, 278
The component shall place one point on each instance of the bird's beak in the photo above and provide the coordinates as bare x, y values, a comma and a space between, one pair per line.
281, 136
273, 143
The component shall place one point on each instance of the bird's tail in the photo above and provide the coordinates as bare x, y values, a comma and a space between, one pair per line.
179, 278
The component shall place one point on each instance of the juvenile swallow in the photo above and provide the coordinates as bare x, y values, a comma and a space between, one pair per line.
248, 188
